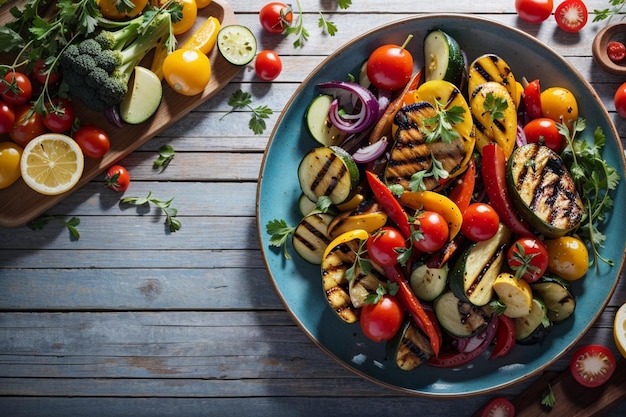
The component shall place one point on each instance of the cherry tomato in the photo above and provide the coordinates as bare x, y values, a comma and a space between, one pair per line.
384, 246
268, 65
528, 257
61, 115
93, 141
28, 125
10, 155
592, 365
567, 257
187, 71
16, 88
480, 222
275, 17
109, 8
560, 105
505, 337
571, 15
545, 131
381, 321
117, 178
432, 231
41, 74
616, 51
499, 407
189, 15
390, 67
7, 118
619, 99
532, 99
534, 11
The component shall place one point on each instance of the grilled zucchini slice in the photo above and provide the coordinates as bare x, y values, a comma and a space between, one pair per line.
514, 293
534, 327
543, 190
557, 297
310, 238
491, 68
443, 57
428, 283
460, 318
318, 123
409, 348
328, 171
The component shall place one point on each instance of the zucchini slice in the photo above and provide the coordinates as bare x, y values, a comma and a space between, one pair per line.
334, 281
516, 294
428, 283
237, 44
476, 270
409, 348
318, 123
460, 318
328, 171
443, 57
543, 190
310, 238
558, 299
534, 327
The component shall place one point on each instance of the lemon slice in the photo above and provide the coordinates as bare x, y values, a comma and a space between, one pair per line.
619, 329
51, 163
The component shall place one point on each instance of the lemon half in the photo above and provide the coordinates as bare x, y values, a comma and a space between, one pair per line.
619, 329
52, 163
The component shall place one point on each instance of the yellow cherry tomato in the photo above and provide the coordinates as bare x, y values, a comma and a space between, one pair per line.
190, 13
108, 8
187, 71
567, 257
10, 155
202, 3
560, 105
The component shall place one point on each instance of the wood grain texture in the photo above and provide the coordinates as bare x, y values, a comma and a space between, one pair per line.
132, 320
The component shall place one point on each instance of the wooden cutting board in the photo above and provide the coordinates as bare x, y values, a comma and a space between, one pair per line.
571, 398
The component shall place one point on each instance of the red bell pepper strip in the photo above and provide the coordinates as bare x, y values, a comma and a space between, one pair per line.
494, 176
389, 203
463, 188
412, 305
505, 337
532, 100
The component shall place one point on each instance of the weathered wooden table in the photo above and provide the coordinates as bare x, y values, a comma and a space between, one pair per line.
132, 321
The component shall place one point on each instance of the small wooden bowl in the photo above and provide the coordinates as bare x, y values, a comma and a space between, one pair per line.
599, 46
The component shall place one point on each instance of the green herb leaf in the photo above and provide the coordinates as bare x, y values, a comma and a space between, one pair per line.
441, 126
171, 221
279, 232
72, 224
166, 155
243, 100
495, 106
327, 26
547, 398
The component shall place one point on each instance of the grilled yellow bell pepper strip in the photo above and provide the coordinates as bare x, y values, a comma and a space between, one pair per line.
433, 201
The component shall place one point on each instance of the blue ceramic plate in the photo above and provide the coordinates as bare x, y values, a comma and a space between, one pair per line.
299, 283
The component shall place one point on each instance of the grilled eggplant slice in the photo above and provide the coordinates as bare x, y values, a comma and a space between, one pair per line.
543, 190
409, 348
495, 116
328, 171
460, 318
491, 68
310, 238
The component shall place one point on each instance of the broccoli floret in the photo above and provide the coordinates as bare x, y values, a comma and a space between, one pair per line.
97, 69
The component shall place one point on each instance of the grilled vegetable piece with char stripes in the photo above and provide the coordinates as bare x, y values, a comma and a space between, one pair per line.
491, 68
328, 171
310, 238
410, 347
543, 190
368, 215
558, 299
460, 318
495, 116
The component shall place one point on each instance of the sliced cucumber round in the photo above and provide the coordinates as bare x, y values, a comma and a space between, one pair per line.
237, 44
443, 57
318, 123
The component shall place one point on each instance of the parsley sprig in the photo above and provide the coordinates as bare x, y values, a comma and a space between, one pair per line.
171, 213
609, 12
71, 224
495, 106
301, 32
594, 179
243, 100
441, 125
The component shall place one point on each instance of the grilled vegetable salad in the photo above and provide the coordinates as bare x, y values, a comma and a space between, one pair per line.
443, 196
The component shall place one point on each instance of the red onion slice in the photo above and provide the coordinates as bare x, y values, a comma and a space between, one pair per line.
350, 96
370, 152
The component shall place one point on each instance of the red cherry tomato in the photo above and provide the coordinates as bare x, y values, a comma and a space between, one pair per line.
61, 115
534, 11
16, 88
41, 74
480, 222
268, 65
528, 257
499, 407
7, 118
28, 125
592, 365
545, 131
532, 99
619, 99
505, 337
93, 141
571, 15
384, 246
381, 321
390, 67
616, 51
432, 231
117, 178
275, 17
